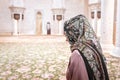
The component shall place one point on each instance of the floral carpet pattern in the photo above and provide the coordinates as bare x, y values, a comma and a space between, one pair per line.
43, 60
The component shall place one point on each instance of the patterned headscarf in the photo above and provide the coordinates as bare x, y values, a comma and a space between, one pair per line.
81, 36
78, 31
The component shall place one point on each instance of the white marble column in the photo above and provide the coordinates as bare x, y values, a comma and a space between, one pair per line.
99, 27
86, 7
58, 9
61, 27
58, 24
20, 24
15, 32
17, 7
17, 22
107, 20
116, 51
95, 20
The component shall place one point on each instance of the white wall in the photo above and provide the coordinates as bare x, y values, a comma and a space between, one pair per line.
73, 8
18, 3
5, 17
28, 26
60, 5
32, 7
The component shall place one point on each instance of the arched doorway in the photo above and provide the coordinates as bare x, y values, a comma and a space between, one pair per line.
38, 23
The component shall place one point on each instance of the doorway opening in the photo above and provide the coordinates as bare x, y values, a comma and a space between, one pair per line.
38, 23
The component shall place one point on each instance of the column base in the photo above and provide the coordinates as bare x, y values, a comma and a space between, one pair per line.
116, 52
16, 33
107, 48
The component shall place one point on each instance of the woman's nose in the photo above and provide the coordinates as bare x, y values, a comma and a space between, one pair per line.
66, 39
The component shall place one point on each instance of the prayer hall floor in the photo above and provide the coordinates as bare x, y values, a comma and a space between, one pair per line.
41, 58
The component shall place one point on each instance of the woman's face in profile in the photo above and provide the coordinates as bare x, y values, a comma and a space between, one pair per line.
67, 38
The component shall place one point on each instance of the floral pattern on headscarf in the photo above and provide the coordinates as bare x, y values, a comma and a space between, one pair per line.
78, 31
81, 36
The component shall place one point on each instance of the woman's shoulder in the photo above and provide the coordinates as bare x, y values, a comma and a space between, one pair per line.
75, 52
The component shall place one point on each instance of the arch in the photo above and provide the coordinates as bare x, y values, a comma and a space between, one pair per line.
38, 23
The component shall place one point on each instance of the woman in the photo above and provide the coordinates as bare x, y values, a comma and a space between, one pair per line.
86, 61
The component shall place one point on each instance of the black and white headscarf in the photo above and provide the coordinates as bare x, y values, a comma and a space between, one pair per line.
81, 36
